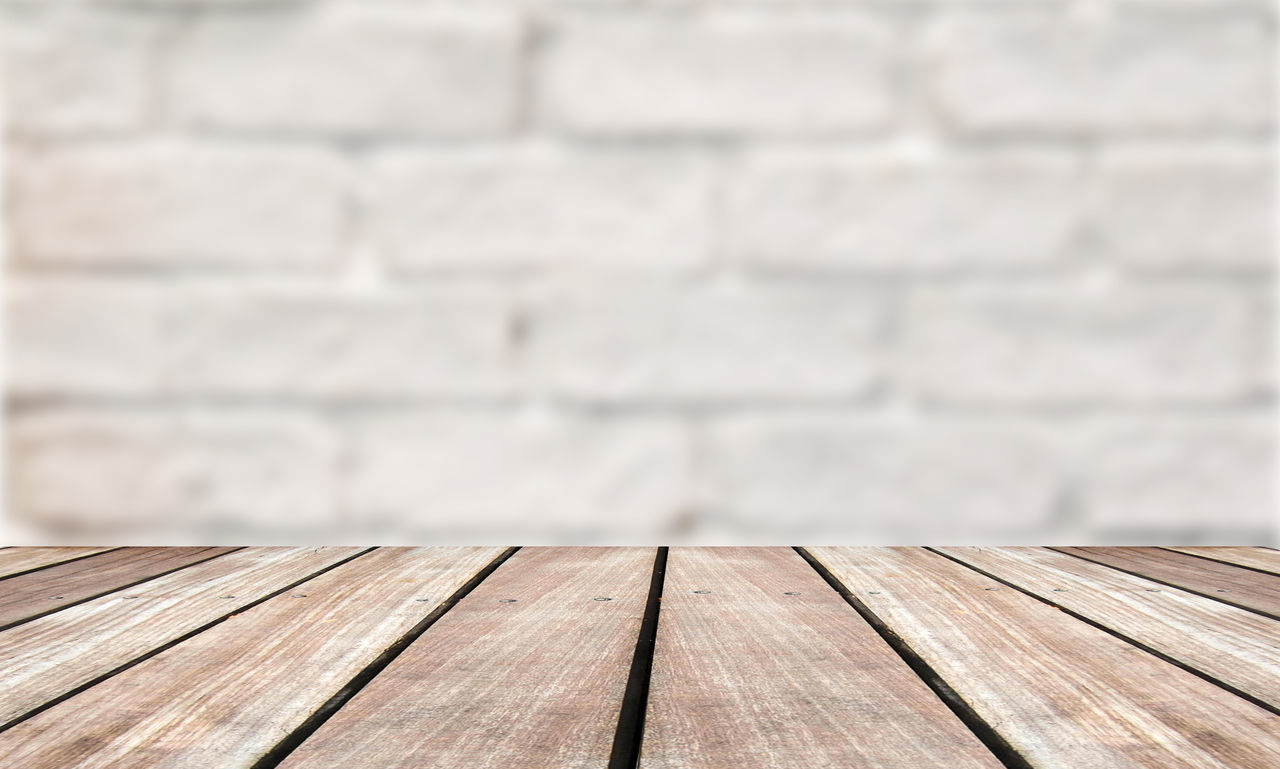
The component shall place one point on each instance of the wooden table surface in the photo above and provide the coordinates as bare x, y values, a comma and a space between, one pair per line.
733, 658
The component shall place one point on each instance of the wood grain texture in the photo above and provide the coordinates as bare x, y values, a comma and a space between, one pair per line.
1260, 558
44, 658
747, 676
526, 685
226, 696
1064, 694
15, 560
1224, 582
57, 587
1235, 646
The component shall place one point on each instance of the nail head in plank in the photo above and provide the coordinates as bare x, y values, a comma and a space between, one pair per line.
531, 684
1224, 582
1224, 642
50, 656
17, 560
224, 697
766, 666
65, 584
1064, 694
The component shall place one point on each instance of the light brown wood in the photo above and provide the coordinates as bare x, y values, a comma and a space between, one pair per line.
44, 658
1064, 694
1259, 558
1224, 582
15, 560
56, 587
1231, 644
747, 676
532, 684
225, 697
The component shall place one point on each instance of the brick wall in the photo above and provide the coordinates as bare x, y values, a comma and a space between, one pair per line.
640, 271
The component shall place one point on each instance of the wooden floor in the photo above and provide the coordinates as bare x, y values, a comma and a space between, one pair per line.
911, 658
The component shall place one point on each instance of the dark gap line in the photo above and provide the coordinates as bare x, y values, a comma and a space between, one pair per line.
170, 644
291, 741
629, 735
1211, 559
1116, 633
135, 583
1004, 752
59, 563
1217, 597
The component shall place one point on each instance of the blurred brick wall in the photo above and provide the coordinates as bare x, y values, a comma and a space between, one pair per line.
844, 271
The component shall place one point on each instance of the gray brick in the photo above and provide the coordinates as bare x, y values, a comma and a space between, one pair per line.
1061, 345
858, 479
1180, 209
113, 473
517, 209
310, 342
74, 73
73, 338
1182, 475
725, 343
730, 72
351, 71
177, 205
528, 477
873, 213
1132, 71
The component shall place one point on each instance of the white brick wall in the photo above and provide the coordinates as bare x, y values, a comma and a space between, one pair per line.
614, 271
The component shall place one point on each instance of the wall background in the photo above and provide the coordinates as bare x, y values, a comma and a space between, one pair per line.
611, 271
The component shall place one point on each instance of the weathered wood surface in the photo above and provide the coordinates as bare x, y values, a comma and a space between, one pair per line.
746, 675
16, 560
1260, 558
1064, 694
1224, 582
224, 663
1231, 644
224, 698
47, 657
534, 683
56, 587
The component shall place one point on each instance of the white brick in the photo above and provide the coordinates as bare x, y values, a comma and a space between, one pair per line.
719, 73
530, 209
1187, 209
876, 213
177, 205
1188, 475
354, 71
518, 478
85, 339
654, 343
115, 472
854, 480
1063, 345
1126, 71
316, 343
75, 72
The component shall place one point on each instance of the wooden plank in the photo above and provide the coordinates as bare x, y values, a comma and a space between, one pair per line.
1260, 558
531, 684
50, 656
1230, 644
16, 560
748, 675
1229, 584
225, 697
57, 587
1064, 694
